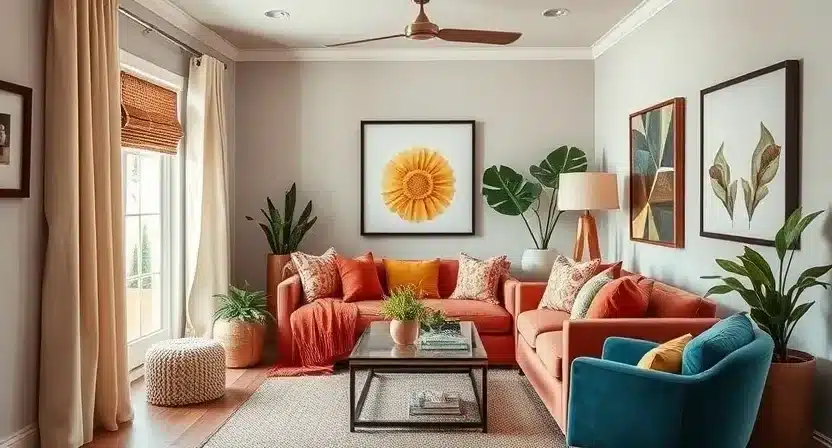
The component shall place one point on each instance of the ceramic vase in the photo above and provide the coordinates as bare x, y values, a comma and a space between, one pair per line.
404, 332
536, 264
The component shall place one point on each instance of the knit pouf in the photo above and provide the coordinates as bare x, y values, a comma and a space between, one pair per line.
184, 371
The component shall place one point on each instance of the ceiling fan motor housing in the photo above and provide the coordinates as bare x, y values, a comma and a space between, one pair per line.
421, 31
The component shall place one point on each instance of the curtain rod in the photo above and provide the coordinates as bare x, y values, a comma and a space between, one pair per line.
152, 28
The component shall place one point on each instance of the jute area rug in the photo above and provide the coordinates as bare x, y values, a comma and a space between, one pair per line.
314, 412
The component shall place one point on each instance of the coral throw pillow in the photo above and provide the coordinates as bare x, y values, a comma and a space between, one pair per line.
359, 278
565, 281
318, 275
479, 279
666, 357
613, 268
423, 275
619, 299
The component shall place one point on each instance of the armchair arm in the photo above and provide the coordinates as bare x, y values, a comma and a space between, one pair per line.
510, 291
289, 295
626, 350
614, 405
529, 295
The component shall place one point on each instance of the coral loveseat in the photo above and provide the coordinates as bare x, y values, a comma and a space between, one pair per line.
495, 323
548, 342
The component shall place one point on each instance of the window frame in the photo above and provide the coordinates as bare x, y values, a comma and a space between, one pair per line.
172, 213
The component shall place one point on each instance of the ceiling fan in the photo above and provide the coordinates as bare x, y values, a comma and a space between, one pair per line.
423, 29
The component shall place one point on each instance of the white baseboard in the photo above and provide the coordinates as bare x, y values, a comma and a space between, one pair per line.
823, 439
24, 438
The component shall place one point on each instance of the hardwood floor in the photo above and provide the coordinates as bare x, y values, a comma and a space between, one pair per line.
185, 427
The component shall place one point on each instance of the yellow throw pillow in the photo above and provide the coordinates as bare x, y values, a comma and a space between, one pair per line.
666, 357
424, 275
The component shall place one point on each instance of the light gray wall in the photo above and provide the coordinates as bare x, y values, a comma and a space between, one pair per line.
300, 122
694, 44
22, 24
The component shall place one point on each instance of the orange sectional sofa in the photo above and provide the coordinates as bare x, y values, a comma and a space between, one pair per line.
548, 342
495, 323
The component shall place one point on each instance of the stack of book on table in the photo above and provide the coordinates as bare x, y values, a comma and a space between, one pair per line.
450, 337
431, 402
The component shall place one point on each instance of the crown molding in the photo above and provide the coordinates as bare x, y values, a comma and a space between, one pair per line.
631, 22
416, 54
189, 25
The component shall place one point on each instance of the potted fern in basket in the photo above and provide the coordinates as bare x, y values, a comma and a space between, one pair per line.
240, 325
785, 417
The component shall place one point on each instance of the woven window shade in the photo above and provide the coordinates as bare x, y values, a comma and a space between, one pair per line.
148, 116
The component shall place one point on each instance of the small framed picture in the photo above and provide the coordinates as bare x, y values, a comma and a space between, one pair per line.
417, 178
15, 139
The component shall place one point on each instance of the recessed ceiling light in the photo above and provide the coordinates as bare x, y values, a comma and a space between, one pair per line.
555, 12
277, 14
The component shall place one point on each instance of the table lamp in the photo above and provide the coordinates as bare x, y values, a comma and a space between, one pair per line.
587, 191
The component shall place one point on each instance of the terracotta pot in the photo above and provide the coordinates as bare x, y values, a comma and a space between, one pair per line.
242, 341
785, 417
274, 275
404, 332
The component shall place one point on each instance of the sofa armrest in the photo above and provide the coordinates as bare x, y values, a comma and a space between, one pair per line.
510, 289
626, 350
613, 405
528, 297
289, 298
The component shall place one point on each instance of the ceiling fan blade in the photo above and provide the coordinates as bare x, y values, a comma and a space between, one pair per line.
365, 40
478, 36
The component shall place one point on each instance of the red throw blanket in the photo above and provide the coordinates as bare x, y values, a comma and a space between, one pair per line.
323, 332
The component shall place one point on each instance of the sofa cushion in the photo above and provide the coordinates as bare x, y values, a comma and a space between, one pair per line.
565, 280
715, 343
534, 322
489, 318
666, 357
619, 299
667, 301
550, 351
359, 278
318, 274
479, 279
422, 275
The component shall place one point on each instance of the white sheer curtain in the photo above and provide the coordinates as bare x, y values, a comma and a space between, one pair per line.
206, 195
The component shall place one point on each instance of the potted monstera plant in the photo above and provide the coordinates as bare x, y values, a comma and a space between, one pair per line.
284, 237
785, 417
510, 193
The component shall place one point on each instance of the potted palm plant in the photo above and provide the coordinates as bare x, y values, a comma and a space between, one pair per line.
785, 417
284, 236
240, 325
403, 308
510, 193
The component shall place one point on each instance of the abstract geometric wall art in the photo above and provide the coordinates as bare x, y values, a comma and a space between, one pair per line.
417, 178
657, 174
750, 142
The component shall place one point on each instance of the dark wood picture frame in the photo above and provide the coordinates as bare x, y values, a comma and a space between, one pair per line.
473, 124
678, 104
25, 141
792, 141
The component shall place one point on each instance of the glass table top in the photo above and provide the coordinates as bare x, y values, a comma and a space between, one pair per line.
376, 343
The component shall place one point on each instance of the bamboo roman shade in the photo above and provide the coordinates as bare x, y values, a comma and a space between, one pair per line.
149, 118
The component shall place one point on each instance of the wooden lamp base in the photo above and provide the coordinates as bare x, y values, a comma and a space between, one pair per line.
587, 236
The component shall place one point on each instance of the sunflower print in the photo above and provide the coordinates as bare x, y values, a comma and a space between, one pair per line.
418, 184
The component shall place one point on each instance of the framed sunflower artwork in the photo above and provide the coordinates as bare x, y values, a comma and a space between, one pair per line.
417, 178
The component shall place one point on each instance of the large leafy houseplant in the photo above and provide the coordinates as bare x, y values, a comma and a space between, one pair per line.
774, 304
510, 193
283, 234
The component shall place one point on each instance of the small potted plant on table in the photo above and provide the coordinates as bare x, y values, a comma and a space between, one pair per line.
785, 417
405, 310
240, 325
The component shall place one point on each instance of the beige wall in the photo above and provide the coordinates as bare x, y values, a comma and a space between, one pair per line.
694, 44
300, 122
21, 244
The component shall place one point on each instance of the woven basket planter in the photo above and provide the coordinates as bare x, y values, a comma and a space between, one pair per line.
242, 341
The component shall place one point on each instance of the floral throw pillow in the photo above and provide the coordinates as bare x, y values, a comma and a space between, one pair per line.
587, 293
318, 275
479, 279
565, 281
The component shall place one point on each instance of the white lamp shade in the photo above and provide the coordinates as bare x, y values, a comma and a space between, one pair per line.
588, 191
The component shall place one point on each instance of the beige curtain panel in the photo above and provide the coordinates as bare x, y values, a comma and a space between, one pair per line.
83, 362
148, 116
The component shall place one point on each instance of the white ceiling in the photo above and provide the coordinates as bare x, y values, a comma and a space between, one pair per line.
315, 23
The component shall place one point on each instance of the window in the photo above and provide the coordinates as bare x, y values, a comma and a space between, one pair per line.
153, 211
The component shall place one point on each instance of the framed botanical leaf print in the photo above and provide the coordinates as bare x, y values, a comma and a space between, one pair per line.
657, 174
750, 166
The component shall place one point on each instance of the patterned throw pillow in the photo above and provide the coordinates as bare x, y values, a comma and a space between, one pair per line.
479, 279
588, 292
565, 281
318, 275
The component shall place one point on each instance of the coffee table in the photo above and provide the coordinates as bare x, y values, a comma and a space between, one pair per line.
376, 352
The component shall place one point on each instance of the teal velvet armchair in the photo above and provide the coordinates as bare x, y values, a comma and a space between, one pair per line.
614, 404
